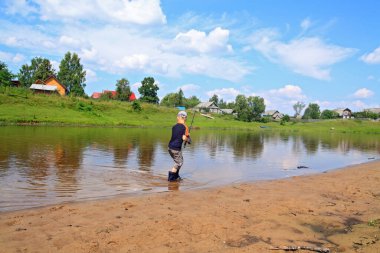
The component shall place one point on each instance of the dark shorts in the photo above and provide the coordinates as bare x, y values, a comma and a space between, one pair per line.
177, 157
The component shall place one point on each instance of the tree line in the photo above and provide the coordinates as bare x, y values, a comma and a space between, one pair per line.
72, 74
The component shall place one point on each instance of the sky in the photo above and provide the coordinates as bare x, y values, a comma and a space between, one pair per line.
325, 51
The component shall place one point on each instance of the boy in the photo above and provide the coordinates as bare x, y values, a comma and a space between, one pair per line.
180, 133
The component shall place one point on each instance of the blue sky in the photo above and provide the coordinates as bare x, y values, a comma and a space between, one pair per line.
286, 51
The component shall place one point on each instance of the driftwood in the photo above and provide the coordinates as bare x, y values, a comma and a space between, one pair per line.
295, 248
207, 116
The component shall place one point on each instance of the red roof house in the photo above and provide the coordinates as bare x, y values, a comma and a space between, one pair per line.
96, 95
132, 97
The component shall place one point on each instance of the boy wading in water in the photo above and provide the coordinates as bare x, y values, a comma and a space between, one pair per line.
180, 134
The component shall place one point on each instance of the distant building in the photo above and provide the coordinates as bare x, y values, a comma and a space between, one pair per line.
49, 85
96, 95
274, 114
207, 107
344, 113
15, 83
227, 111
112, 94
374, 110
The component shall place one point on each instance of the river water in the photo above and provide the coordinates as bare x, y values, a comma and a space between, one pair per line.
49, 165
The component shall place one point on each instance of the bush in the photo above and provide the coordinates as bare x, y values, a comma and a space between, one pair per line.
136, 106
81, 106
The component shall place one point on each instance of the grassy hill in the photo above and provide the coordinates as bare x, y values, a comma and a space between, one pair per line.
19, 106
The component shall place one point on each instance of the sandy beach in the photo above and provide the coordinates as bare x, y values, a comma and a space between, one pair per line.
338, 210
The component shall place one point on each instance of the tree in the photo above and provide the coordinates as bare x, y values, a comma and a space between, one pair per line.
148, 91
256, 106
170, 100
214, 99
312, 112
39, 69
328, 114
123, 89
222, 104
192, 102
241, 108
298, 107
72, 75
181, 98
249, 109
5, 75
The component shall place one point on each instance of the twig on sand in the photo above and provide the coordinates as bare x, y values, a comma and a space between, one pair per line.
295, 248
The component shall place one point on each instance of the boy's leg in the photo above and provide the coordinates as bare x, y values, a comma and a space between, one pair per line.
178, 161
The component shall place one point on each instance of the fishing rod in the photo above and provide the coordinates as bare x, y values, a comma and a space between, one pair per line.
191, 126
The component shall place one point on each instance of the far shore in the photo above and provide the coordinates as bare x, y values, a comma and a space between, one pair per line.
338, 210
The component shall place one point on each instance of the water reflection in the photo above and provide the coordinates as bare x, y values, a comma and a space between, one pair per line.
42, 165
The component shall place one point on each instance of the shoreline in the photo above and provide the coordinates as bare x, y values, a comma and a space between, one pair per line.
338, 209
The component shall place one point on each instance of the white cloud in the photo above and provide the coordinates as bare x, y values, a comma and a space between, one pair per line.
142, 12
200, 42
308, 56
69, 41
373, 57
227, 94
135, 61
305, 24
363, 93
91, 75
189, 87
359, 104
10, 57
288, 91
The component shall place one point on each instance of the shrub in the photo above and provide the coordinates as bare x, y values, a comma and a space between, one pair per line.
136, 106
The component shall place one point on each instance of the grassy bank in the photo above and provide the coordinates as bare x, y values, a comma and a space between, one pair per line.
22, 107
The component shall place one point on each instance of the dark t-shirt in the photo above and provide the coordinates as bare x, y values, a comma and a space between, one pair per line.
176, 141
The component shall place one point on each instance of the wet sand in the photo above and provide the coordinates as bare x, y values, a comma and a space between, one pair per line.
339, 210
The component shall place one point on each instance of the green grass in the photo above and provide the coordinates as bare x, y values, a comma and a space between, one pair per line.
20, 106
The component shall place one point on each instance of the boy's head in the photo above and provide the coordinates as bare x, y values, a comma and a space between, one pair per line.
181, 116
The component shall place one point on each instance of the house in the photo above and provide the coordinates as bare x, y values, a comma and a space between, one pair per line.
274, 114
96, 95
42, 88
207, 107
49, 85
15, 83
344, 113
112, 94
227, 111
132, 97
374, 110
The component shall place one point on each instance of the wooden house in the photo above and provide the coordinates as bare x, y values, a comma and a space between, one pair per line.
47, 86
273, 114
207, 107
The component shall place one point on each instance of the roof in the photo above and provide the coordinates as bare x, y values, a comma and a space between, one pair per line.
113, 93
270, 112
43, 87
341, 110
53, 77
132, 97
227, 111
96, 95
206, 105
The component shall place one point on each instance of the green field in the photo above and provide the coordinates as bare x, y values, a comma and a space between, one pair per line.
21, 107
